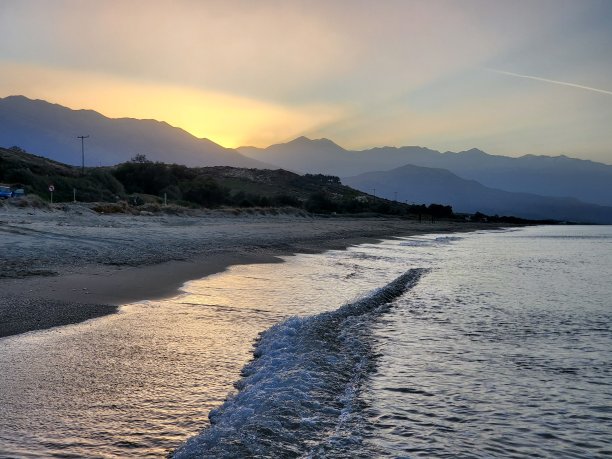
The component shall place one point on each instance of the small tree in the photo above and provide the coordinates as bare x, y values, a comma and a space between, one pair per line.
140, 159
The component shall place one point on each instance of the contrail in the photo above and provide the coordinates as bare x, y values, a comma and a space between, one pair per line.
564, 83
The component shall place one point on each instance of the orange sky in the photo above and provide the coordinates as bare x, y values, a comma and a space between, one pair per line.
510, 78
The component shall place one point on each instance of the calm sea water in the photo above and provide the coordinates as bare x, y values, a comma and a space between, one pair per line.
504, 349
492, 344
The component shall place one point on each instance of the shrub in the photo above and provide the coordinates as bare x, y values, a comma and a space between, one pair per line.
320, 202
31, 200
111, 208
204, 191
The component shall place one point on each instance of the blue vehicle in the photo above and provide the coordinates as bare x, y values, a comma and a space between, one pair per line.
5, 192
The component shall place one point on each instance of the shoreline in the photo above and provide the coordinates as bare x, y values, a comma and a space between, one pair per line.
89, 288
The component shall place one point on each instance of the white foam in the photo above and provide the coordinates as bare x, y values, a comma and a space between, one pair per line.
298, 394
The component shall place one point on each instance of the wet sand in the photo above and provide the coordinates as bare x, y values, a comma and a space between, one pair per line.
65, 266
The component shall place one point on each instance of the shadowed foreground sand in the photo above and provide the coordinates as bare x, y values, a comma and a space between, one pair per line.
65, 266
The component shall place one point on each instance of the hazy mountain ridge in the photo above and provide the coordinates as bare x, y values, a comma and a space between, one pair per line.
559, 176
51, 129
420, 184
303, 155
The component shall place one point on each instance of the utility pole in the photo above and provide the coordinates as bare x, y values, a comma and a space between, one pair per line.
82, 137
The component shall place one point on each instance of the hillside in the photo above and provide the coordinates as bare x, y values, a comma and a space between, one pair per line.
140, 181
36, 173
51, 130
419, 184
559, 176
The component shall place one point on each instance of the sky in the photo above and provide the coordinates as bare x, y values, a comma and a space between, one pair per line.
508, 77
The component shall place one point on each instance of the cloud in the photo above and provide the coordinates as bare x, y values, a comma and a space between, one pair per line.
546, 80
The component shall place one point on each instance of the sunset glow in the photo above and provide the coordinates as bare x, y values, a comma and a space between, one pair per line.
230, 120
360, 73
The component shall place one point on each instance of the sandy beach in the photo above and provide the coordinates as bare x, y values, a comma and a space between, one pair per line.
71, 264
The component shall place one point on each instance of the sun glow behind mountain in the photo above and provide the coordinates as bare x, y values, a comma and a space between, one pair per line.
229, 120
362, 73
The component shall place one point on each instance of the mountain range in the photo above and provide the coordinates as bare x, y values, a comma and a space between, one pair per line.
545, 175
51, 130
529, 186
425, 185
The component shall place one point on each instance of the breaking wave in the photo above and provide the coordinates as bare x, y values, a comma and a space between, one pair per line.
421, 242
299, 396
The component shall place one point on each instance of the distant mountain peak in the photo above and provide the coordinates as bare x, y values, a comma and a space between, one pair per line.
303, 140
20, 97
474, 152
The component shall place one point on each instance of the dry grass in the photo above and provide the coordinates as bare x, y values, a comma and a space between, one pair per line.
112, 208
31, 200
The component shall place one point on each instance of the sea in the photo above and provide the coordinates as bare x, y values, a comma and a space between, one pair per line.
472, 345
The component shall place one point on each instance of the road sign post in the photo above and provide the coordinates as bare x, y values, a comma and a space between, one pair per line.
51, 190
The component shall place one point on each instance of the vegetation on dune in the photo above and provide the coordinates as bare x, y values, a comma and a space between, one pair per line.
141, 182
36, 174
